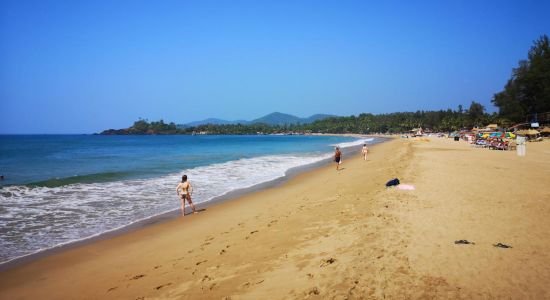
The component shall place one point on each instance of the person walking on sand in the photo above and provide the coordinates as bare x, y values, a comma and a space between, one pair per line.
365, 151
186, 191
337, 158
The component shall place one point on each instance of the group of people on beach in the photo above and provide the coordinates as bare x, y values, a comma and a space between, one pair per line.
185, 189
338, 155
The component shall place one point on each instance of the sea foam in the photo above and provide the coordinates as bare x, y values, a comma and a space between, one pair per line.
33, 219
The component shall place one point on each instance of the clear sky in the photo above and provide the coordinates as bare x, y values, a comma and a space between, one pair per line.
84, 66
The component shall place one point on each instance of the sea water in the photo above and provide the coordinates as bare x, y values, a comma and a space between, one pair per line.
63, 188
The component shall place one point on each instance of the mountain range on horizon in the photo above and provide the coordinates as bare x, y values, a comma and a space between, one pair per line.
275, 118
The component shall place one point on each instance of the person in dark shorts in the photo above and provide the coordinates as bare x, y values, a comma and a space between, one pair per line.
186, 190
337, 158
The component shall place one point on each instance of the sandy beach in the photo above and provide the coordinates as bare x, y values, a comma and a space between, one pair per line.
335, 235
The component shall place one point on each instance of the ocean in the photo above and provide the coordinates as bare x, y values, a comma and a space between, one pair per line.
59, 189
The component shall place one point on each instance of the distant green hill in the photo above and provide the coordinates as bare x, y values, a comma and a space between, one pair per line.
317, 117
278, 118
275, 118
212, 121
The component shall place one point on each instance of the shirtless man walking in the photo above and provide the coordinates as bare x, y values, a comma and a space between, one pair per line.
186, 190
337, 157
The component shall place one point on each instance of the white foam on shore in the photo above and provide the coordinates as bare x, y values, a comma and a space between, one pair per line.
34, 219
37, 218
355, 143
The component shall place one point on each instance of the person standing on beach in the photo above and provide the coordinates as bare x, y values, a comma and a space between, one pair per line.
337, 158
186, 190
365, 151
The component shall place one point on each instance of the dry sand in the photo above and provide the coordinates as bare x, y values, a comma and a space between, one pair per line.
342, 235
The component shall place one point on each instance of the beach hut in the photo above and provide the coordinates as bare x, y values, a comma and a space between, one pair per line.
417, 131
531, 134
492, 127
527, 132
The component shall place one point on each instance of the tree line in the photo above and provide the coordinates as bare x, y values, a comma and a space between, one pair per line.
527, 92
442, 120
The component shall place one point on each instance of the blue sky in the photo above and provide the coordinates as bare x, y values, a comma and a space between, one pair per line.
85, 66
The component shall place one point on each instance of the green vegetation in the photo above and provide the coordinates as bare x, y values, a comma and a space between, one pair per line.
144, 127
443, 120
527, 92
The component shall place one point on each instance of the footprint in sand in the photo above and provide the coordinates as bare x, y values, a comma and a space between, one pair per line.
248, 284
222, 252
327, 262
163, 285
314, 291
251, 233
112, 289
137, 277
200, 262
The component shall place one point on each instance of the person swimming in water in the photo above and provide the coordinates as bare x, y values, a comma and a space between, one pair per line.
186, 190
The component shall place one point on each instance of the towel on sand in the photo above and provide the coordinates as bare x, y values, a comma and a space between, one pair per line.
407, 187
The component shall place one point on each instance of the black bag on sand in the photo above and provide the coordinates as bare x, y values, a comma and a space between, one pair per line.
392, 182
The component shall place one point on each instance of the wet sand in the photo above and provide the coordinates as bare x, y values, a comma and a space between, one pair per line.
327, 234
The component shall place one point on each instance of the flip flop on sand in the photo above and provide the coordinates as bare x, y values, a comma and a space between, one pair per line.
464, 242
499, 245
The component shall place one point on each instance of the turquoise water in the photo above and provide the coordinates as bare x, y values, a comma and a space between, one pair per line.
63, 188
55, 160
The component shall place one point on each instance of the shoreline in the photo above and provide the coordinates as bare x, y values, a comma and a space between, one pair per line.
174, 214
326, 234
